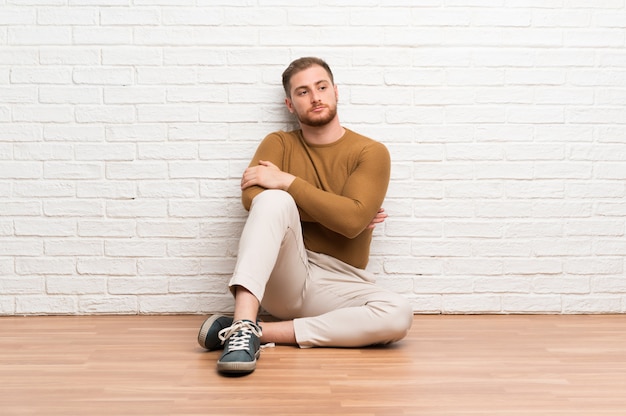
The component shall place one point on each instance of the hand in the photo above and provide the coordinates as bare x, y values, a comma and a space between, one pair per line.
378, 218
266, 175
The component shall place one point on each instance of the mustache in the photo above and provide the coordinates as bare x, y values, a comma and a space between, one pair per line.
316, 106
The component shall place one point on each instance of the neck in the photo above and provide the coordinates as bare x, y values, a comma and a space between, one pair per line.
326, 134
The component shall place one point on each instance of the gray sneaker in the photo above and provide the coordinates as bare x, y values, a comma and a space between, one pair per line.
208, 337
241, 348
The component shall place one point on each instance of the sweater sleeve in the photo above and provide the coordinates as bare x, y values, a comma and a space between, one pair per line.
350, 211
270, 149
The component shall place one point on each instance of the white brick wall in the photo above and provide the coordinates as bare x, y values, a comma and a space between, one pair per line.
125, 125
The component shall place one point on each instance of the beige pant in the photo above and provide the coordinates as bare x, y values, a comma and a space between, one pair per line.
332, 303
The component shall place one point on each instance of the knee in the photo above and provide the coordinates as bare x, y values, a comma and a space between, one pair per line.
274, 199
403, 317
276, 207
398, 320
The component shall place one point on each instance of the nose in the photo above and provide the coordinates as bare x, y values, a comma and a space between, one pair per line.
315, 97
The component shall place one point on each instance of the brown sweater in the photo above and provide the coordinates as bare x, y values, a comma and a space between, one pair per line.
338, 189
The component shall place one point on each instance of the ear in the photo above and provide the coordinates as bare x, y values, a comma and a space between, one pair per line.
336, 92
289, 105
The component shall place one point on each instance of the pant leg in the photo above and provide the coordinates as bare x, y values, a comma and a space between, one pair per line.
343, 307
331, 302
272, 261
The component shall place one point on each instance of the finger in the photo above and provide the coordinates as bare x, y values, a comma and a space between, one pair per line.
267, 163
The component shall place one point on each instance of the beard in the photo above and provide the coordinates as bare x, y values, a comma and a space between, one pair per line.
318, 120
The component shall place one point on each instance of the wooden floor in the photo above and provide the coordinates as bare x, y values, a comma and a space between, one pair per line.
448, 365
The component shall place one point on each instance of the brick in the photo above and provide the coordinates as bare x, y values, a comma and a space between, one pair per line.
115, 16
569, 285
85, 286
441, 285
21, 248
179, 303
45, 227
136, 132
582, 304
44, 266
455, 303
189, 284
20, 170
496, 284
413, 228
134, 95
137, 208
593, 39
131, 56
137, 248
30, 151
69, 17
203, 170
10, 55
62, 170
18, 95
102, 76
595, 266
22, 285
78, 247
96, 152
106, 228
105, 114
608, 284
214, 265
106, 189
531, 303
45, 304
427, 304
411, 266
170, 229
17, 16
168, 189
43, 189
135, 170
37, 36
138, 286
598, 227
198, 209
20, 208
42, 114
106, 266
98, 2
69, 55
173, 56
183, 16
68, 95
73, 133
73, 208
195, 248
504, 18
98, 35
167, 113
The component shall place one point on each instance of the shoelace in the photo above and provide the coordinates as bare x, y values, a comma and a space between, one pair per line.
239, 334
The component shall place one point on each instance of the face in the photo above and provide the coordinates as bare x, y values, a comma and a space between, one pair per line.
313, 97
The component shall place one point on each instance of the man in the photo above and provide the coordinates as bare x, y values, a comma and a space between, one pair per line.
314, 196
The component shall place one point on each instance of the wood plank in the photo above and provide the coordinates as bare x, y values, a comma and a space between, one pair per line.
448, 365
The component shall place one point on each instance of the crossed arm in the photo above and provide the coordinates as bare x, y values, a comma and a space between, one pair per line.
269, 176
